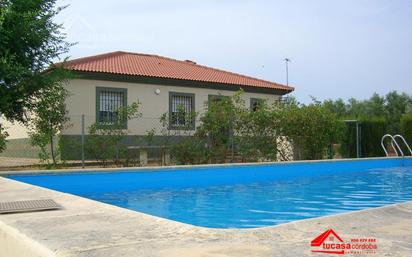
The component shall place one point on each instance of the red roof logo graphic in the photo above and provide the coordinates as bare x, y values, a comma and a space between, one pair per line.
330, 236
322, 237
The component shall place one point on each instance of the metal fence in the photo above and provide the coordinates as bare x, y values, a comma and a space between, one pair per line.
86, 140
76, 145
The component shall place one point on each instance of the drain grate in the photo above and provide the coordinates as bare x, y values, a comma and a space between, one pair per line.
28, 206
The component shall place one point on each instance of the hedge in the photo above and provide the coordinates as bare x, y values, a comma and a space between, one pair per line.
371, 132
348, 142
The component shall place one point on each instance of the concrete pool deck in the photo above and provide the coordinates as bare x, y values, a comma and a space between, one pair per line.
88, 228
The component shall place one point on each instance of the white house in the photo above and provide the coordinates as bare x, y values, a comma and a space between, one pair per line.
104, 82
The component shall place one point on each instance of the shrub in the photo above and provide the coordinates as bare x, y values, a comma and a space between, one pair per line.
104, 142
259, 135
70, 147
189, 150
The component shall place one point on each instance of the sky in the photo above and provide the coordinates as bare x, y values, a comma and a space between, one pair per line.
338, 49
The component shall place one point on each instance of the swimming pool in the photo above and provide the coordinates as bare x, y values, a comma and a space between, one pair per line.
243, 196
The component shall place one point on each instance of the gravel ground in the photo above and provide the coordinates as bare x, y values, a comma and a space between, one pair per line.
17, 162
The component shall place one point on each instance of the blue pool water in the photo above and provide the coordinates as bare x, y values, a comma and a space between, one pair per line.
244, 196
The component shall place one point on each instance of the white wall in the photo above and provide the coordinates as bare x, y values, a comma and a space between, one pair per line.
15, 129
82, 100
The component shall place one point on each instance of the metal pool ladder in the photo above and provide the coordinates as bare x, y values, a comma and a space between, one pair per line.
394, 143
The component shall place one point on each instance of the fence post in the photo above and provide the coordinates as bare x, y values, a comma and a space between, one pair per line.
83, 141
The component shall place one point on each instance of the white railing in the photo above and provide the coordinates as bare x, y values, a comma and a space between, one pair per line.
392, 144
404, 142
395, 144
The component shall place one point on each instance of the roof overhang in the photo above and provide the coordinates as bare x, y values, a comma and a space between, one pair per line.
176, 82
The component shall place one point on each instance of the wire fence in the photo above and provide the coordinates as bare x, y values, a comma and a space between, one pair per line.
86, 140
138, 142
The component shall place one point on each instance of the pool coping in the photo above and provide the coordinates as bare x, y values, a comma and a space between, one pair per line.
90, 228
184, 167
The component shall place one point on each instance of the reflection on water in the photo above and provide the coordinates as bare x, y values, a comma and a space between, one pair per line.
265, 204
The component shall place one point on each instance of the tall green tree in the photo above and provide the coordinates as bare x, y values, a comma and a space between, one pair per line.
311, 128
216, 127
3, 136
49, 118
375, 106
390, 107
30, 41
256, 130
338, 107
396, 105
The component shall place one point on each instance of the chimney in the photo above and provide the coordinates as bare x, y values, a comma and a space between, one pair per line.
191, 62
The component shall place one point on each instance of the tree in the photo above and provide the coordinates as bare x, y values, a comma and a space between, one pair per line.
311, 128
216, 127
375, 106
338, 107
256, 130
391, 107
29, 41
356, 108
49, 118
396, 105
3, 136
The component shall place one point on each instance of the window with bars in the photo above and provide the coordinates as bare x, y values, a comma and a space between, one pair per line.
254, 104
181, 110
108, 103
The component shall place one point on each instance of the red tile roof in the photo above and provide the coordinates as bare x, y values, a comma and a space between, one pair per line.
161, 67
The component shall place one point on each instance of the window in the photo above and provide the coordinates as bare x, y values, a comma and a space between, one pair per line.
181, 110
254, 104
108, 102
